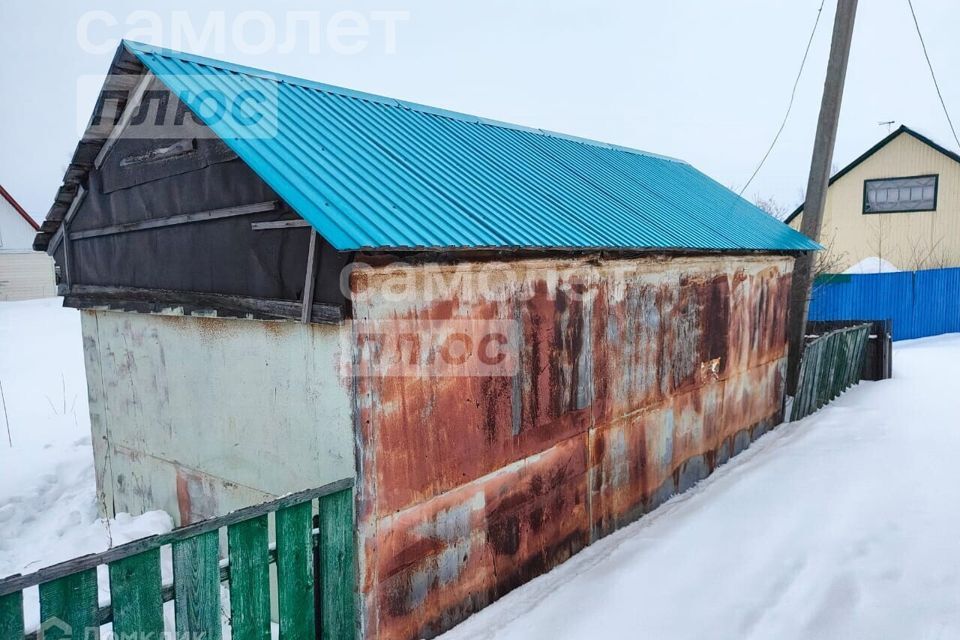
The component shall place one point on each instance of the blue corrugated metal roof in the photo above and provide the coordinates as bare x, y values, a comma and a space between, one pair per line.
373, 172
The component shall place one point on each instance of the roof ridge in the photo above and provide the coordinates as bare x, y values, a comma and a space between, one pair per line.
140, 48
371, 178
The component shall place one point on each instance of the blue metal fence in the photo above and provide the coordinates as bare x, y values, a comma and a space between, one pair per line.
920, 303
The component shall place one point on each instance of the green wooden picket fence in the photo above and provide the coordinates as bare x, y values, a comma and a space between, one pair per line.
315, 579
831, 363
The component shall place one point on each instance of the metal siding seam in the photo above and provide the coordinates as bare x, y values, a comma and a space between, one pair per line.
353, 181
522, 230
518, 191
664, 210
565, 206
521, 204
660, 235
383, 177
701, 201
646, 212
675, 208
451, 225
921, 304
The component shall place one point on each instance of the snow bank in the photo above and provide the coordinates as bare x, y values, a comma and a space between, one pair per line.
48, 508
842, 525
873, 264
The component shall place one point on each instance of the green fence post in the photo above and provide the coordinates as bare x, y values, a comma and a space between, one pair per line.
69, 607
337, 573
295, 572
196, 587
249, 579
135, 595
11, 616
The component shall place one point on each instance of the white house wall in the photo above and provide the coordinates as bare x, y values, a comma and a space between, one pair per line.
15, 232
25, 275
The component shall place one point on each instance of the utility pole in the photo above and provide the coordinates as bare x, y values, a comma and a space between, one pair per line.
818, 182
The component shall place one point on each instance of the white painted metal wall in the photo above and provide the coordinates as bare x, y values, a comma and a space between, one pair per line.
199, 416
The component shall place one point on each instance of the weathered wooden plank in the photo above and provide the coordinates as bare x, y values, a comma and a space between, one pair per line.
249, 579
11, 616
68, 277
337, 571
68, 607
83, 296
310, 279
59, 233
831, 363
317, 587
132, 103
279, 224
169, 221
47, 574
196, 585
295, 584
135, 585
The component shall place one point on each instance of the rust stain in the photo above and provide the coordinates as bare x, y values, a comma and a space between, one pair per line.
465, 548
196, 499
636, 379
183, 499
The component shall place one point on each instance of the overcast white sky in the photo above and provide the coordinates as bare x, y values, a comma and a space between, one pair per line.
707, 80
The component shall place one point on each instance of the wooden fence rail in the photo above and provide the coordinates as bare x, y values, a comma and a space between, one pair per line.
831, 363
315, 579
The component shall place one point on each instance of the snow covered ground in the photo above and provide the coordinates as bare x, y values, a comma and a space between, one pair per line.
48, 508
843, 525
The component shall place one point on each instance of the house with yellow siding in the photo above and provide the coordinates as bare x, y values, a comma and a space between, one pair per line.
899, 201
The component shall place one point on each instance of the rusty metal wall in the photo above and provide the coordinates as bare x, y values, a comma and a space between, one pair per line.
636, 378
200, 416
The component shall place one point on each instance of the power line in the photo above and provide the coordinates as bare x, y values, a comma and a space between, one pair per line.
932, 74
793, 94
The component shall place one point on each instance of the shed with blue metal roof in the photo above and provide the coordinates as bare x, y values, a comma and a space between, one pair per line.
514, 340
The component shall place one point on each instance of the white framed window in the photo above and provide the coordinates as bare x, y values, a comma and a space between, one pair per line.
895, 195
